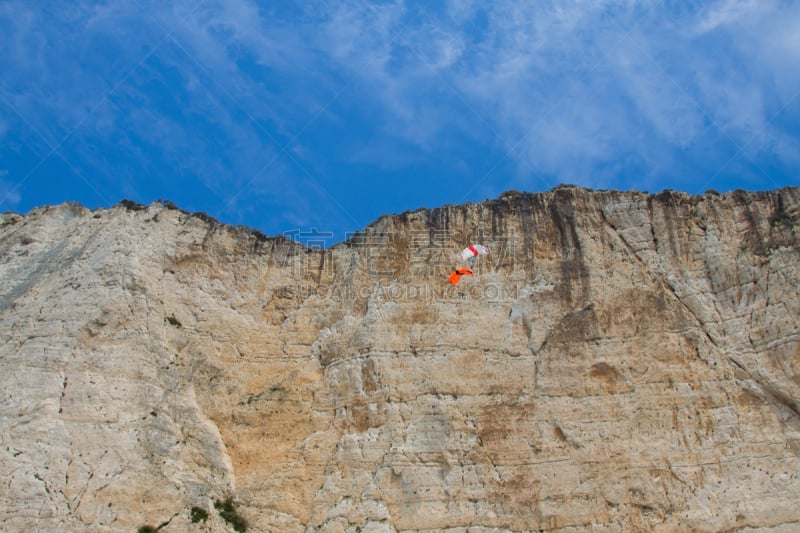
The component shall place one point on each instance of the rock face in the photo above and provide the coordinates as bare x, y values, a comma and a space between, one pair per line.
620, 362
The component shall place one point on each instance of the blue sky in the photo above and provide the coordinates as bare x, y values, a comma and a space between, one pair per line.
289, 116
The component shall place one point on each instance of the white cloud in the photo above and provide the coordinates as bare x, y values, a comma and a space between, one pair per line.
581, 89
564, 90
731, 12
752, 84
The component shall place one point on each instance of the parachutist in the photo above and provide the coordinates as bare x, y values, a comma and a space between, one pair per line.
467, 254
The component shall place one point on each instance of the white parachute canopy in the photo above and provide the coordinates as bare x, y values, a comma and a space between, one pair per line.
473, 250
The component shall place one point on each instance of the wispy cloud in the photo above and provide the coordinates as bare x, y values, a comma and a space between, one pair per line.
284, 111
592, 81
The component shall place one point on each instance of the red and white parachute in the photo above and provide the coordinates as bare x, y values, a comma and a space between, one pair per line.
468, 254
472, 251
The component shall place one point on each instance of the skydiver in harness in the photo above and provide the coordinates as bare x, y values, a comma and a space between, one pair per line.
468, 254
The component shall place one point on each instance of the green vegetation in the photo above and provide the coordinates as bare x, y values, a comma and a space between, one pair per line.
168, 204
510, 195
198, 515
174, 321
205, 217
260, 237
147, 529
228, 513
565, 186
781, 217
130, 205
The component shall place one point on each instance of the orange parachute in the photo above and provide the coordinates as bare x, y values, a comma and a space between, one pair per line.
455, 277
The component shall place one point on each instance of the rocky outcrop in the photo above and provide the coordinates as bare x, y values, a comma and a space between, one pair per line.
620, 362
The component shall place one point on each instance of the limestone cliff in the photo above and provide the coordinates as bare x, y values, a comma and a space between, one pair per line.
620, 362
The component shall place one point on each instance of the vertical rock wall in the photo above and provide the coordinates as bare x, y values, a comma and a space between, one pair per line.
620, 362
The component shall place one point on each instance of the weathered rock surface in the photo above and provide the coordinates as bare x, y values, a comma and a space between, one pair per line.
621, 362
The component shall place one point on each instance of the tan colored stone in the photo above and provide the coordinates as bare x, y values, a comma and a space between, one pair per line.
620, 362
